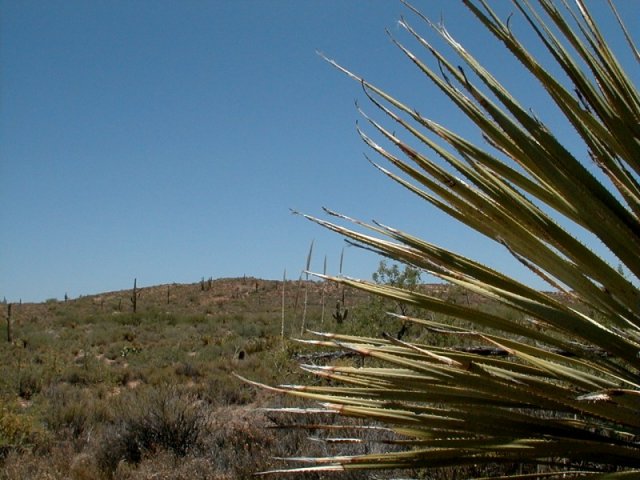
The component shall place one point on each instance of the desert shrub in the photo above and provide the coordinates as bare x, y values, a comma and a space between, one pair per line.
18, 431
28, 465
61, 462
159, 373
29, 384
71, 410
129, 335
226, 390
78, 375
239, 443
194, 319
255, 345
167, 466
131, 375
128, 319
152, 420
187, 369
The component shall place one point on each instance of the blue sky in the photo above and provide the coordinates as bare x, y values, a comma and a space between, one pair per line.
167, 140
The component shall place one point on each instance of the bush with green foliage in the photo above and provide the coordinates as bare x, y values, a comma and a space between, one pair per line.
405, 277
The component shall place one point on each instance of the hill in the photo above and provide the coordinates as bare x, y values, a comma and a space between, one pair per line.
90, 389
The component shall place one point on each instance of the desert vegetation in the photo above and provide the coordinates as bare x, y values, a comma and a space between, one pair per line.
91, 390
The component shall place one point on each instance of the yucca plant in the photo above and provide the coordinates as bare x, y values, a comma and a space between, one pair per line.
562, 398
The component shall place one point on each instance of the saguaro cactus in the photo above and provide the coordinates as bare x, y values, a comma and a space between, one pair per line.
284, 282
9, 337
340, 315
135, 294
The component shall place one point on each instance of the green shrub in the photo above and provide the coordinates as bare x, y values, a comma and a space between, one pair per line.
90, 374
18, 431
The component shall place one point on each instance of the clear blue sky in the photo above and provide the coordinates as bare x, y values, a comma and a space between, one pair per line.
167, 140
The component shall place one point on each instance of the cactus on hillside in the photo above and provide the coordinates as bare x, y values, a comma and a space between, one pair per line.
135, 294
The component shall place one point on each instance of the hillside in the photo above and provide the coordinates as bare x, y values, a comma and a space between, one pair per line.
89, 389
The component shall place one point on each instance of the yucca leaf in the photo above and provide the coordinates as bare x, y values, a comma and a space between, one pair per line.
563, 395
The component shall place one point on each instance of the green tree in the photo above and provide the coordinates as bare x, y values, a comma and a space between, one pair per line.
563, 400
406, 277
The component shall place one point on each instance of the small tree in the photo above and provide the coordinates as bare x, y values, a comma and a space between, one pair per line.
407, 278
395, 275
